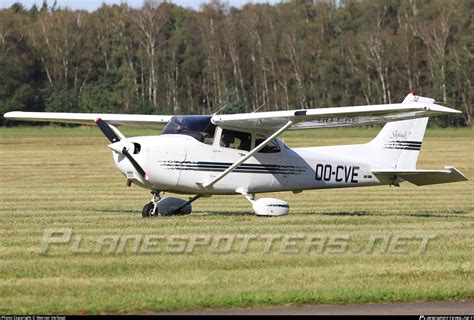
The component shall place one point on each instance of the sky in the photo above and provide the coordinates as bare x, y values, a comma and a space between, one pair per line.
91, 5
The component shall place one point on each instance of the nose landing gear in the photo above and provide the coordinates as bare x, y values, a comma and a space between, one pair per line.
151, 208
167, 206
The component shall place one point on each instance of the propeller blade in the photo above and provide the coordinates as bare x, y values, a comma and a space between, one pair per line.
113, 137
134, 163
106, 130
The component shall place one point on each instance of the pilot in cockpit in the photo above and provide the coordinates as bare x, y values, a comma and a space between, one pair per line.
228, 139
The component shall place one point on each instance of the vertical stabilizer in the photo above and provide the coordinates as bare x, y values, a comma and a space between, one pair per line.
398, 143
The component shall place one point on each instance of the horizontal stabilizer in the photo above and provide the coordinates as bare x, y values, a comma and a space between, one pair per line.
423, 177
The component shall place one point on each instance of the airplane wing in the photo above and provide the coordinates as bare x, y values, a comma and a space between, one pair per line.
89, 118
424, 177
412, 107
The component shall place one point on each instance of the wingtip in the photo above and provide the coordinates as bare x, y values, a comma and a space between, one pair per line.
10, 114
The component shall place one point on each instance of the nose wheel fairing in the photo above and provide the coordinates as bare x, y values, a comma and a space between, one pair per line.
167, 206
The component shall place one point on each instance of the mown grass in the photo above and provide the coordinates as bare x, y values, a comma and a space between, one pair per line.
65, 178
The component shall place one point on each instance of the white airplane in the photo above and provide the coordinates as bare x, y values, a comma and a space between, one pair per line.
240, 153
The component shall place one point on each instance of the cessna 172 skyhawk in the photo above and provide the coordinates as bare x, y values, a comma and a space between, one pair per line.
240, 153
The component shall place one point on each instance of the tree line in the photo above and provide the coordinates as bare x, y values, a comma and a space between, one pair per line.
166, 59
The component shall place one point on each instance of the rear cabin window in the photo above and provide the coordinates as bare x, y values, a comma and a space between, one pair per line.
236, 140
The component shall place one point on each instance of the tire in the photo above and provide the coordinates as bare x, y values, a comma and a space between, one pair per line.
148, 210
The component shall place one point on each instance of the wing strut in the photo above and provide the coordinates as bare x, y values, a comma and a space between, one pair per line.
250, 154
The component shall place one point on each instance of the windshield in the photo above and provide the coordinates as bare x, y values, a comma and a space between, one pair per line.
198, 127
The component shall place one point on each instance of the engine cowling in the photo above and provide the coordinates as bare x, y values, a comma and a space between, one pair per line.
270, 207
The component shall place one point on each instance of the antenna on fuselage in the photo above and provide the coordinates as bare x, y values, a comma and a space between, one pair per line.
258, 108
225, 106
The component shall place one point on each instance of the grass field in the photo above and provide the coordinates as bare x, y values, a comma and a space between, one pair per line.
57, 177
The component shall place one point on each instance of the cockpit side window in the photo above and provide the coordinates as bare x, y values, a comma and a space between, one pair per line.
198, 127
236, 140
271, 147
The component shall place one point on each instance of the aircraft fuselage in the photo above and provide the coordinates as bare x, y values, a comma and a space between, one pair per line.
179, 163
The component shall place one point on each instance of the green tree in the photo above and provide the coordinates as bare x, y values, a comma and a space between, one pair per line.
58, 98
16, 93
